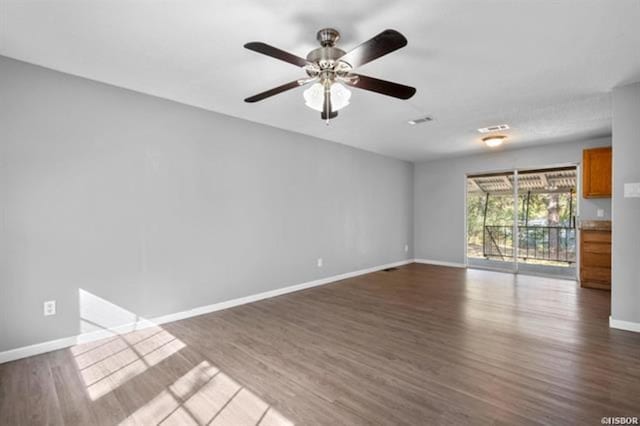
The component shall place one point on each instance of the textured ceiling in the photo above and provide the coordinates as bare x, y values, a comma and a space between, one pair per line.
546, 68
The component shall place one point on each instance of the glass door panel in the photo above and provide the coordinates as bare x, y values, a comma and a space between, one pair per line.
490, 221
547, 205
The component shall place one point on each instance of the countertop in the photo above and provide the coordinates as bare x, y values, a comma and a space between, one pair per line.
595, 225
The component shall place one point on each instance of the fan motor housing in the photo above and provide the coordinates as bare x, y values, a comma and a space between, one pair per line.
329, 54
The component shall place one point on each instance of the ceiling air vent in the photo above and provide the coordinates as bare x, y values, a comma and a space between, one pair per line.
420, 120
497, 128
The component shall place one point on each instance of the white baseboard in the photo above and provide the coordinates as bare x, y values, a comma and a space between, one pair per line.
38, 348
272, 293
440, 263
624, 325
52, 345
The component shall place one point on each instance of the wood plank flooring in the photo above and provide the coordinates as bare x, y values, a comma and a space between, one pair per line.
417, 345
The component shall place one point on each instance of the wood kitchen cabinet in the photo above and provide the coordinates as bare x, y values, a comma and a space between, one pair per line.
595, 255
596, 172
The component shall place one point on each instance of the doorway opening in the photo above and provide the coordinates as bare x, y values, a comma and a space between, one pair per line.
523, 221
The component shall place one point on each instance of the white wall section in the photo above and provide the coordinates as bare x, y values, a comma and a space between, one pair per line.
625, 267
158, 207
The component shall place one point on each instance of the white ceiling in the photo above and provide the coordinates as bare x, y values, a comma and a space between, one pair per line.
544, 67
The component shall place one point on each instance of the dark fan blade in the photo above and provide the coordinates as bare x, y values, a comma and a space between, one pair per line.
385, 42
274, 52
384, 87
274, 91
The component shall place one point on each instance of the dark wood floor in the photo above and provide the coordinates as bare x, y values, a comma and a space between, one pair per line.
417, 345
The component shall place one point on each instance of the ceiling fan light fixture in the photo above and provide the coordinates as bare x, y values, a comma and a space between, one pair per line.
314, 96
494, 141
328, 64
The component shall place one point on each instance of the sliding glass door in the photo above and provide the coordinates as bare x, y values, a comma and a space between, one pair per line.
523, 220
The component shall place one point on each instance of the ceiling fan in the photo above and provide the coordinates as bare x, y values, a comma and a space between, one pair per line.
329, 68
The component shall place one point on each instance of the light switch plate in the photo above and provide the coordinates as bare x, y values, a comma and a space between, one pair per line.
632, 190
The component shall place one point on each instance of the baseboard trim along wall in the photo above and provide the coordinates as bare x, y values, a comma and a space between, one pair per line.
52, 345
624, 325
440, 263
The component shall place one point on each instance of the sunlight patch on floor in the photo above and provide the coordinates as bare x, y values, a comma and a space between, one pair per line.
205, 396
109, 366
132, 345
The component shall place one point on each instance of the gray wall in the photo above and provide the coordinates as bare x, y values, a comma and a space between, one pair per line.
440, 193
625, 284
158, 207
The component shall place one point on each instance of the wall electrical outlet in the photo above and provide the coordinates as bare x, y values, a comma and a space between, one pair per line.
49, 308
600, 212
319, 262
406, 248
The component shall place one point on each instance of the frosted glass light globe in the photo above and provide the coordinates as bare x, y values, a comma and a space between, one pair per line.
314, 97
